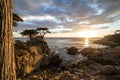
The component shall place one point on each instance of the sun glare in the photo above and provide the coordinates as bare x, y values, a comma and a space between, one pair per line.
87, 34
86, 42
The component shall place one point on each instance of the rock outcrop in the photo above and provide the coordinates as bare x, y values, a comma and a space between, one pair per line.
40, 42
73, 51
104, 56
26, 57
48, 61
106, 65
35, 64
29, 54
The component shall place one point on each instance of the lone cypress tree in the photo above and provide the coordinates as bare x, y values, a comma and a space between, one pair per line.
7, 60
43, 31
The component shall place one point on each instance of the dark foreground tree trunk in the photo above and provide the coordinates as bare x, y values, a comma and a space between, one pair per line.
7, 60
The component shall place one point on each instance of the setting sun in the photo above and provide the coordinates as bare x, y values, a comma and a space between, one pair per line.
87, 34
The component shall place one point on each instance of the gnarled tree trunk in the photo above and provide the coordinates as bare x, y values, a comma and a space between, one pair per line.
7, 60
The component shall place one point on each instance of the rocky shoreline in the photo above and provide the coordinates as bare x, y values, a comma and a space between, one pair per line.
34, 63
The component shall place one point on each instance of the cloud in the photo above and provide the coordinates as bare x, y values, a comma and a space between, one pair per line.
41, 18
71, 14
101, 28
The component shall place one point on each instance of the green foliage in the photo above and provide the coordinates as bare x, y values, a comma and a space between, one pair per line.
117, 32
43, 31
40, 28
111, 40
31, 33
16, 19
21, 45
114, 38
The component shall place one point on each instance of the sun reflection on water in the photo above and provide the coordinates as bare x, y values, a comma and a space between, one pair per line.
86, 44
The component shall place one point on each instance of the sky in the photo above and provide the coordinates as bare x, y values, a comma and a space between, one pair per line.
68, 18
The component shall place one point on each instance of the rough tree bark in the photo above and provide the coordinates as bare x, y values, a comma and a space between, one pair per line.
7, 60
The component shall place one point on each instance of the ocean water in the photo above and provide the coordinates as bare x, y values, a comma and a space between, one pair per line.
59, 45
72, 42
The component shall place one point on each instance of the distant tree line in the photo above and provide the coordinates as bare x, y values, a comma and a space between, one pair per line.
115, 37
110, 40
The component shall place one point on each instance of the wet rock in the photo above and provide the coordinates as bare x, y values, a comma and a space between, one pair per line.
101, 64
55, 60
72, 51
88, 51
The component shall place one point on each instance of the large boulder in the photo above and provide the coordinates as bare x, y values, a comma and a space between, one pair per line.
72, 51
88, 51
55, 60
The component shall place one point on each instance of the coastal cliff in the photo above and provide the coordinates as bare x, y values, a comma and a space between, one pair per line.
35, 61
30, 55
